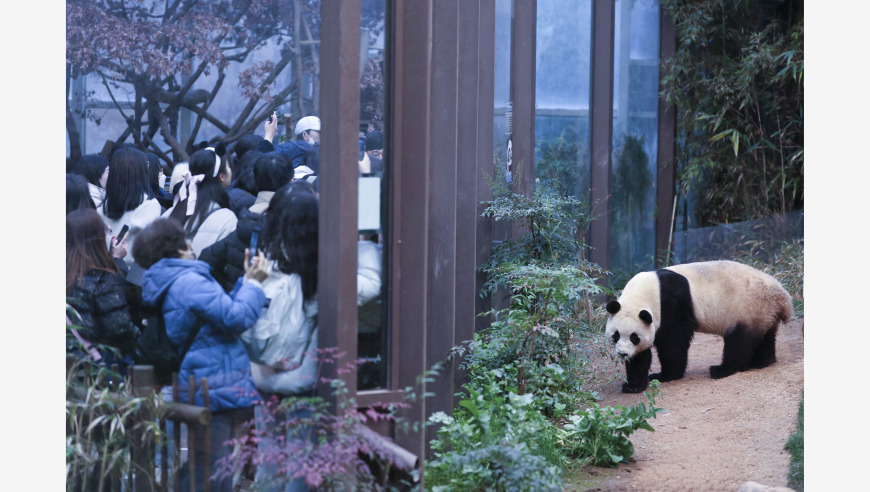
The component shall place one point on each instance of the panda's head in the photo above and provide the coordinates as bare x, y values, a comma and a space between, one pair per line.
630, 329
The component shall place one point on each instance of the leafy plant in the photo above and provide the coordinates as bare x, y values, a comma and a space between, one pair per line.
600, 435
736, 80
304, 437
549, 283
491, 420
498, 467
106, 421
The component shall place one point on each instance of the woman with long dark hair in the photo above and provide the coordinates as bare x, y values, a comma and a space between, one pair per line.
202, 204
226, 257
129, 200
78, 196
285, 363
94, 287
95, 169
156, 176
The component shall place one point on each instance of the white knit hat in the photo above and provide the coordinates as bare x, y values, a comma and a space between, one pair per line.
307, 123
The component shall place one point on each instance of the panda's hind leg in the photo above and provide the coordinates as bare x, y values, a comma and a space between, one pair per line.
765, 354
740, 345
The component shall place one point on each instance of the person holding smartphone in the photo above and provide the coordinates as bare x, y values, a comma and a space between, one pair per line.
195, 307
95, 289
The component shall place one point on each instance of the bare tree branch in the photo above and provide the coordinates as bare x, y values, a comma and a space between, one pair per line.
266, 110
252, 101
180, 152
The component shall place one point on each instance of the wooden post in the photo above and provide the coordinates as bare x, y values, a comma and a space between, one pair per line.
176, 433
142, 382
206, 443
191, 435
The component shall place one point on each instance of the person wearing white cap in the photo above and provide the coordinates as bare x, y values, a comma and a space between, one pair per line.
308, 129
307, 134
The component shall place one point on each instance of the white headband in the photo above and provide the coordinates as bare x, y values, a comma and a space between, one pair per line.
217, 161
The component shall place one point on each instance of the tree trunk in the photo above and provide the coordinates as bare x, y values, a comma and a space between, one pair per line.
72, 130
75, 148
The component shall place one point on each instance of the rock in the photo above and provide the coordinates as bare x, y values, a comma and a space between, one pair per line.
757, 487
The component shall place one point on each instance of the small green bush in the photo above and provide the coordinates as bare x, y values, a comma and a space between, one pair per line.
500, 467
600, 435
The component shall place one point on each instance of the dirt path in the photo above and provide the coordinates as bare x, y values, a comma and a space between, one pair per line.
715, 434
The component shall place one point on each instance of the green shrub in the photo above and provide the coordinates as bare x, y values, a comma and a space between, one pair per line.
105, 421
600, 435
498, 467
491, 420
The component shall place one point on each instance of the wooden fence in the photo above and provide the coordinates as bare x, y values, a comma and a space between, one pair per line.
156, 465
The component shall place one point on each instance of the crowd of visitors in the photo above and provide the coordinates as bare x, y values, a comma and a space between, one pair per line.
224, 249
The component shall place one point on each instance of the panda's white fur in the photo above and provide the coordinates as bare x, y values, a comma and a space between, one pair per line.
728, 299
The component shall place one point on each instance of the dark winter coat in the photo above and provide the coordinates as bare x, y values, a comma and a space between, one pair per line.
294, 151
239, 199
227, 256
188, 295
99, 299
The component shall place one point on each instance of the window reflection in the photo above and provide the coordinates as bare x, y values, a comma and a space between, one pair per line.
635, 134
563, 62
373, 163
502, 127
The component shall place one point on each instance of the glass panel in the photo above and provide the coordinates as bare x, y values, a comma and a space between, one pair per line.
249, 71
373, 337
563, 63
502, 87
635, 134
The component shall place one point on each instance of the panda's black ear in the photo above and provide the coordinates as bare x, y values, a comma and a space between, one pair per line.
613, 307
646, 317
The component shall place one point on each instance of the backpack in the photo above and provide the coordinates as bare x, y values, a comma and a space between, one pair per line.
280, 335
155, 348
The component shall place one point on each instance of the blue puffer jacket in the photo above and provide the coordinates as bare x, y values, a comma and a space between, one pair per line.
189, 293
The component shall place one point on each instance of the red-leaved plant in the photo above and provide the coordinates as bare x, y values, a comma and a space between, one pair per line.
302, 438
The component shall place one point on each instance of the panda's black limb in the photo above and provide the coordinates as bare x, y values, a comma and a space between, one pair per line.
636, 371
765, 354
745, 349
677, 328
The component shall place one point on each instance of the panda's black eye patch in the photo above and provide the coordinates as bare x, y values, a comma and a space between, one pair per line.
615, 336
634, 338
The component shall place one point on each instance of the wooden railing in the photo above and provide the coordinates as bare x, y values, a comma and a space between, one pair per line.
196, 418
144, 450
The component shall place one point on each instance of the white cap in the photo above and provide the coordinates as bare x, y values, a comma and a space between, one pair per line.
307, 123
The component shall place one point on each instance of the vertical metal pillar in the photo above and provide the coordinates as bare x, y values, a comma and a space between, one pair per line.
601, 127
666, 179
338, 233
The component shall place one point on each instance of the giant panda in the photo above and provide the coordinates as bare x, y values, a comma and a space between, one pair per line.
664, 308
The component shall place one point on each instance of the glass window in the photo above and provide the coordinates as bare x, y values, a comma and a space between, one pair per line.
502, 124
563, 63
635, 134
373, 340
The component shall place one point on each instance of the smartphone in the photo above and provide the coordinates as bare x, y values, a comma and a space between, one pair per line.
255, 236
123, 232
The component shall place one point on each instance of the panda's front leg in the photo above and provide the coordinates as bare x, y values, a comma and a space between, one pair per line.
637, 372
